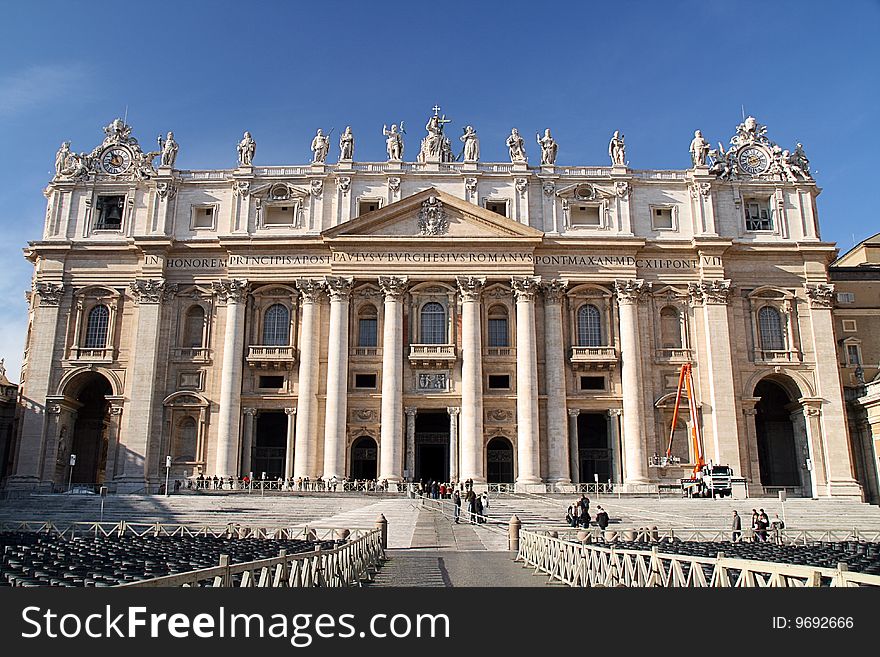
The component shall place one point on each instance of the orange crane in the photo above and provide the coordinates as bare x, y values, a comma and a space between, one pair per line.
686, 382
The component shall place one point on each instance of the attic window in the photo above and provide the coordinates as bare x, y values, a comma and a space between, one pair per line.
586, 215
662, 218
498, 207
367, 205
279, 215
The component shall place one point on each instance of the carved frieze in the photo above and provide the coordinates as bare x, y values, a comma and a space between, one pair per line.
393, 287
525, 287
50, 293
710, 292
231, 290
311, 289
554, 290
151, 291
470, 287
821, 295
630, 290
338, 287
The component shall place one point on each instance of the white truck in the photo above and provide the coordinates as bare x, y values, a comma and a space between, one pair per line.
709, 481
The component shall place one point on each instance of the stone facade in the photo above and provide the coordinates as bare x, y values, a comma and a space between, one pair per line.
8, 403
433, 319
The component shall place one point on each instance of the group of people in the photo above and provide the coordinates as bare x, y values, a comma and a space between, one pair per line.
201, 482
578, 514
476, 507
762, 526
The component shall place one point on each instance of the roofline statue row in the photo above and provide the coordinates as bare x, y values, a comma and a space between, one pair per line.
751, 154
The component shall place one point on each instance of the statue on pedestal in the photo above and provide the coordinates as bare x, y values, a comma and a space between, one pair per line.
516, 146
320, 147
548, 147
436, 145
61, 158
699, 150
247, 147
799, 158
393, 141
471, 144
346, 144
617, 149
169, 150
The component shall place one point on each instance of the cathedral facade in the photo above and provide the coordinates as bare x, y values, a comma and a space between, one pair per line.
439, 318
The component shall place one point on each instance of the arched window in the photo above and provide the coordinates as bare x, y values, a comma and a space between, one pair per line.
368, 327
589, 326
185, 442
194, 327
96, 327
670, 328
770, 329
499, 335
433, 324
276, 326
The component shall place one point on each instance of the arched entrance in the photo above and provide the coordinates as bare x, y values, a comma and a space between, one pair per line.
90, 436
364, 457
499, 461
782, 446
594, 450
432, 446
270, 444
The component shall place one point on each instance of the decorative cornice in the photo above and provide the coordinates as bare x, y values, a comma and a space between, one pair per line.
715, 292
311, 289
339, 287
820, 295
630, 290
50, 293
554, 290
231, 290
470, 287
393, 287
525, 287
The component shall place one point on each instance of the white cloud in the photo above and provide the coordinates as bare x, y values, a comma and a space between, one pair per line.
36, 85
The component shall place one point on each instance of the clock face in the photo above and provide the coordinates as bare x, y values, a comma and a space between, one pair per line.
116, 160
753, 160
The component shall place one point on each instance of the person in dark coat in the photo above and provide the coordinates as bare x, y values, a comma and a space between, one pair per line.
601, 518
584, 520
456, 500
736, 526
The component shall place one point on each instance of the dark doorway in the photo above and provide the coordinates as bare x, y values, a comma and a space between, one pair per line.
364, 455
432, 446
90, 435
594, 452
499, 461
270, 444
778, 459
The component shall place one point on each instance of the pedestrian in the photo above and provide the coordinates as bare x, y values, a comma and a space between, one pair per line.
470, 504
585, 503
601, 518
572, 514
585, 517
478, 509
484, 499
456, 501
776, 526
763, 525
736, 526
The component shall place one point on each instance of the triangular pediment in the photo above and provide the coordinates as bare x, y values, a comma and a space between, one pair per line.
432, 214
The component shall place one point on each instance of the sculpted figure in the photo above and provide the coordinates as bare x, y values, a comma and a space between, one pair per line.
719, 165
799, 157
346, 144
617, 149
61, 158
791, 168
393, 141
699, 150
436, 144
548, 147
169, 150
320, 147
471, 144
516, 146
246, 149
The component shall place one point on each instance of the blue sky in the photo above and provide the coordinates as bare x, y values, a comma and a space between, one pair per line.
654, 70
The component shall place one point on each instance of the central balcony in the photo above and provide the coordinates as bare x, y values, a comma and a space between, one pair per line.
92, 355
594, 358
270, 356
677, 355
431, 355
776, 357
191, 355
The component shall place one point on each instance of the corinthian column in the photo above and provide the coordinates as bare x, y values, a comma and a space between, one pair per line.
339, 289
247, 439
304, 461
391, 436
454, 412
554, 375
472, 465
628, 293
234, 292
527, 448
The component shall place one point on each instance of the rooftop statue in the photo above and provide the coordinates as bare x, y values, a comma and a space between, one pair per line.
394, 141
471, 151
617, 149
699, 150
548, 147
247, 147
169, 150
346, 144
320, 147
516, 146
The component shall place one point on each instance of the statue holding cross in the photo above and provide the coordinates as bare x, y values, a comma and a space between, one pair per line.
436, 146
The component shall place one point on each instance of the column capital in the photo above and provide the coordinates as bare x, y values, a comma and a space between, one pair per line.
470, 287
231, 290
50, 293
713, 292
290, 411
554, 290
574, 412
151, 291
525, 287
820, 295
453, 410
812, 406
615, 412
630, 290
339, 287
249, 411
311, 289
411, 411
393, 287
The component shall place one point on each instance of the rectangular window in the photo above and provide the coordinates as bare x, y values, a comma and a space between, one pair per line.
853, 355
189, 381
849, 326
846, 297
499, 382
758, 214
365, 381
498, 332
368, 332
585, 215
367, 205
279, 215
662, 218
592, 383
274, 382
498, 207
203, 216
109, 211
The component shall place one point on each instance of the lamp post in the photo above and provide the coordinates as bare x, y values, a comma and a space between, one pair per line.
167, 474
70, 476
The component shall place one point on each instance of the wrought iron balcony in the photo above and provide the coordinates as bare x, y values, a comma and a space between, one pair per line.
271, 356
596, 358
431, 355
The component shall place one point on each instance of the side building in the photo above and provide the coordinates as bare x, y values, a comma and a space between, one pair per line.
436, 319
